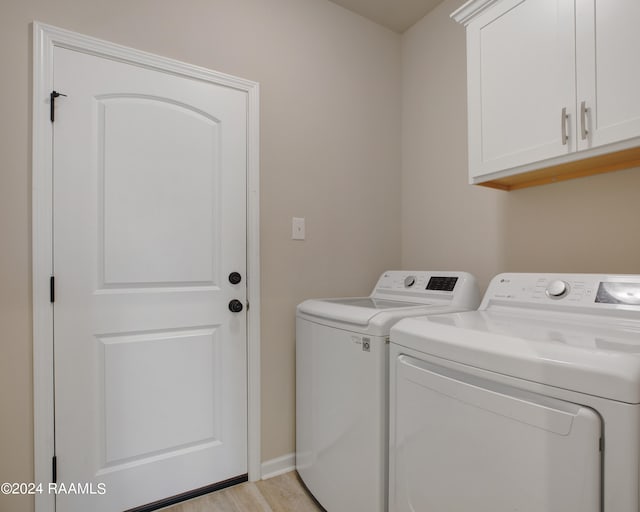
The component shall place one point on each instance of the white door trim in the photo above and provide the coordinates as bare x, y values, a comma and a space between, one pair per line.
45, 39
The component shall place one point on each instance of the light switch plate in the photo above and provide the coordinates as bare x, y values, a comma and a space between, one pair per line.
297, 228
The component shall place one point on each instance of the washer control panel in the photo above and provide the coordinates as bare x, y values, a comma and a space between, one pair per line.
436, 288
565, 289
414, 281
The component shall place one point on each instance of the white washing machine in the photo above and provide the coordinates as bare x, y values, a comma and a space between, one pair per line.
342, 382
531, 403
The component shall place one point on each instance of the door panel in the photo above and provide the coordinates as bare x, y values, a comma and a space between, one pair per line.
157, 204
187, 410
149, 215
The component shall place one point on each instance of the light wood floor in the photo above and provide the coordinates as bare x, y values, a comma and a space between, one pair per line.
284, 493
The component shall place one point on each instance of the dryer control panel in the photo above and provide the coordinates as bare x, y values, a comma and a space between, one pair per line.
564, 290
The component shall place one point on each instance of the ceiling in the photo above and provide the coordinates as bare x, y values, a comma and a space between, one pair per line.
398, 15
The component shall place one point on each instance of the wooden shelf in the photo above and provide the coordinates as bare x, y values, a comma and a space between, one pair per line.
619, 160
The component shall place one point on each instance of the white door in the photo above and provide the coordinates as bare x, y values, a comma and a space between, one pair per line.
608, 76
521, 83
149, 221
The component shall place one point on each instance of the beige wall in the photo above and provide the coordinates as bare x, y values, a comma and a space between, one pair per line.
330, 152
583, 225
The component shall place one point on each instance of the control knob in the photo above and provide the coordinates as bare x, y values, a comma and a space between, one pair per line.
409, 281
557, 289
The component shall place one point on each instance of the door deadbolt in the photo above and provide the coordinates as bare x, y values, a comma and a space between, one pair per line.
235, 277
235, 306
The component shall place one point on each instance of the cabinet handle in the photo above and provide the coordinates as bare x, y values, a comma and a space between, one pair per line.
583, 120
563, 126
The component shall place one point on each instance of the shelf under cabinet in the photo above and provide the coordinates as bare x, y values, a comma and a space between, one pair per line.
599, 164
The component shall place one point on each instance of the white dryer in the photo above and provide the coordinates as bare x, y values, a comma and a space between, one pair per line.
531, 403
342, 382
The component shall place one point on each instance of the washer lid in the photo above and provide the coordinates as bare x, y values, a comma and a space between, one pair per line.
594, 355
353, 310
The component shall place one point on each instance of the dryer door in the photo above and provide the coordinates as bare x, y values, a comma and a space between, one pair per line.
460, 443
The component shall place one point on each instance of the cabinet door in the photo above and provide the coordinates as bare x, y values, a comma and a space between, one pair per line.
608, 74
521, 63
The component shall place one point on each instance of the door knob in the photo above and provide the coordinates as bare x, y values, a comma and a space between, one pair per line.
235, 306
235, 278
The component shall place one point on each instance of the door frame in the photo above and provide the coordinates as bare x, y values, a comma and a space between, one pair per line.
45, 39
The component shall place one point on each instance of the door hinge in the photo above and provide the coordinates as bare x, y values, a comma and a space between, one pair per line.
52, 103
54, 469
52, 289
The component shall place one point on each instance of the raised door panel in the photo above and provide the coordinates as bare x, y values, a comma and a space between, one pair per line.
608, 39
159, 182
134, 370
520, 67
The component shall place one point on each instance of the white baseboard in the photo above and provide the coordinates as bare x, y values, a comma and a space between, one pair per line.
278, 466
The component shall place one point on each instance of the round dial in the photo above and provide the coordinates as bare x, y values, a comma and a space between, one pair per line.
409, 281
557, 289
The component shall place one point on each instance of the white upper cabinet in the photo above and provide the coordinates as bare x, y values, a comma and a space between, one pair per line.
608, 70
550, 82
521, 79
